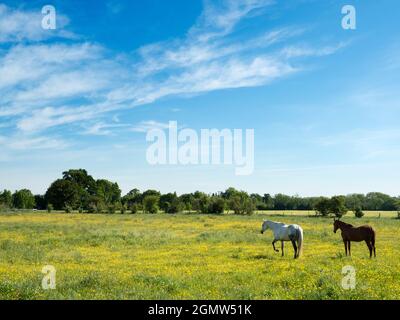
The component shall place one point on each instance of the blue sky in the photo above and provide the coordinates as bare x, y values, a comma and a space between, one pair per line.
323, 101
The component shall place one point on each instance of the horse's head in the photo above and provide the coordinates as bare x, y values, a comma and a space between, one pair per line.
264, 226
336, 225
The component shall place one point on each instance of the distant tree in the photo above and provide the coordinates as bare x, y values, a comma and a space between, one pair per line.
358, 213
175, 206
322, 206
111, 208
6, 198
150, 193
132, 197
397, 204
150, 204
81, 178
108, 192
375, 200
241, 203
63, 193
216, 205
40, 201
338, 206
354, 201
171, 203
187, 201
282, 202
200, 202
85, 185
133, 208
258, 201
23, 199
229, 193
268, 200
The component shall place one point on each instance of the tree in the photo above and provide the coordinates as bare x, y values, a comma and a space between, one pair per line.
150, 204
187, 201
358, 213
166, 200
375, 200
170, 203
322, 206
354, 201
150, 193
108, 192
258, 200
241, 203
133, 208
216, 205
338, 206
63, 193
40, 201
268, 200
201, 202
175, 206
6, 198
229, 193
282, 202
132, 197
85, 184
23, 199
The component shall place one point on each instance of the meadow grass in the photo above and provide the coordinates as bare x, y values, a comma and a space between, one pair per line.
188, 256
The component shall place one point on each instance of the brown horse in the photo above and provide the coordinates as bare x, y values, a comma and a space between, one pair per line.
357, 234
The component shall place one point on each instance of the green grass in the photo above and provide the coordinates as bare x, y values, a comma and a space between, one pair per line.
188, 256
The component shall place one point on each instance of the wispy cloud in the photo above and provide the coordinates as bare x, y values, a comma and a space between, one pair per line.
371, 143
31, 143
145, 126
17, 25
102, 129
48, 85
305, 50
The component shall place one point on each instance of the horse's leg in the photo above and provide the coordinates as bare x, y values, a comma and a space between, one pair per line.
273, 244
295, 248
345, 246
373, 245
282, 244
370, 247
349, 245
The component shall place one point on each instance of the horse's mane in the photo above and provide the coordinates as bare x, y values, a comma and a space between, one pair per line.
346, 224
275, 222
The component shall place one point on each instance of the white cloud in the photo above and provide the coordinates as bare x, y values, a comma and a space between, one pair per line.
65, 85
102, 129
41, 84
28, 63
19, 142
17, 25
219, 19
307, 51
145, 126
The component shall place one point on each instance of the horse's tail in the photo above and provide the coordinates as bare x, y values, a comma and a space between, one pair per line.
300, 240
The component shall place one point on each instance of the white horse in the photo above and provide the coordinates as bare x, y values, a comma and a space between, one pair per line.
283, 232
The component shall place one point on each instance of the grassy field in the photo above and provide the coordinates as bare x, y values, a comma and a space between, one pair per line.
188, 257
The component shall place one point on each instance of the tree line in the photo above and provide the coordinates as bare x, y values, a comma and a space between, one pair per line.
77, 190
